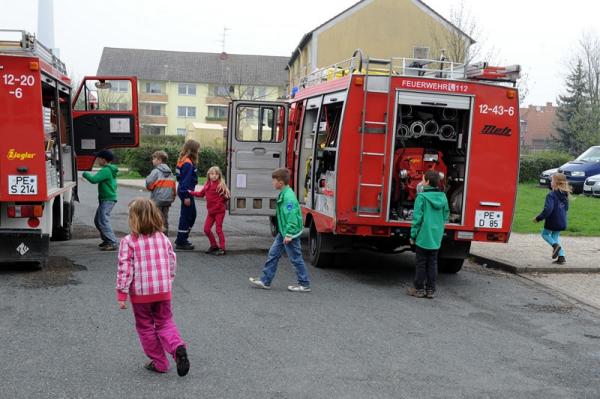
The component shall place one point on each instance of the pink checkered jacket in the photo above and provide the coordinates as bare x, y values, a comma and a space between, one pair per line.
146, 268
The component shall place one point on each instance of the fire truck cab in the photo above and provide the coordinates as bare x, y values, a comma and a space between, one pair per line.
48, 134
358, 137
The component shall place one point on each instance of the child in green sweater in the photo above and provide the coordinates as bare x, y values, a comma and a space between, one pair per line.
106, 179
430, 214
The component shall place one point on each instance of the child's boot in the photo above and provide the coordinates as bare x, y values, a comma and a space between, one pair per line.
555, 250
560, 261
182, 361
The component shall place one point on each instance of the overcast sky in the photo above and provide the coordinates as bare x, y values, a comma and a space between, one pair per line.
539, 35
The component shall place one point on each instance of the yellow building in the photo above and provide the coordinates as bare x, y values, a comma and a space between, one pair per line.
381, 29
179, 89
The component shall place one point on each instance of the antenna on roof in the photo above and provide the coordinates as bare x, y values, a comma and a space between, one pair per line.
225, 29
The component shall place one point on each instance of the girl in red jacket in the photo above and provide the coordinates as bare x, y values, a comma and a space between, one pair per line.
216, 192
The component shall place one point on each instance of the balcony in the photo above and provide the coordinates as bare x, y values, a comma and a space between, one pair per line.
154, 120
161, 98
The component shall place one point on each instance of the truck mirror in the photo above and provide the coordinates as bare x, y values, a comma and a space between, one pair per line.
102, 84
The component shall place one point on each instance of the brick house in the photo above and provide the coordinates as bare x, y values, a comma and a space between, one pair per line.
538, 125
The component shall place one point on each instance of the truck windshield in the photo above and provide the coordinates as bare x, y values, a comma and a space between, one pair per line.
591, 155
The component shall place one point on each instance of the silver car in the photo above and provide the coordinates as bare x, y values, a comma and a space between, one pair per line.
592, 186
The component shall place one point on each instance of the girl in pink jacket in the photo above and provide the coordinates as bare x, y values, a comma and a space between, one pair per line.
216, 192
145, 274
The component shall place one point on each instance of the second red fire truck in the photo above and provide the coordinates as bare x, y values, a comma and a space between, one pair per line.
358, 137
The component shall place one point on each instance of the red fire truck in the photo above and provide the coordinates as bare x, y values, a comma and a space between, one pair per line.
48, 134
358, 137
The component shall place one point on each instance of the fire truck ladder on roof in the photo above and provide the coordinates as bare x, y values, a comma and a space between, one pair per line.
380, 67
19, 42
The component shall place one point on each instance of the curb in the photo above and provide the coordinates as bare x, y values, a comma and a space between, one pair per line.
512, 268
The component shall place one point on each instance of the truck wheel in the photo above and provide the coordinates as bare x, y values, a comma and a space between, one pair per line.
273, 225
448, 265
64, 232
318, 258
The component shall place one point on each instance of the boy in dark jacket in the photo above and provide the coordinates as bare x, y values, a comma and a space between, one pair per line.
289, 223
430, 214
106, 179
554, 215
161, 184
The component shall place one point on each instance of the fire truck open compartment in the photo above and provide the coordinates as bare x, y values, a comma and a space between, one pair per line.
432, 132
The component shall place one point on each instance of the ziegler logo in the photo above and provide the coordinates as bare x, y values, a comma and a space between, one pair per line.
492, 129
21, 156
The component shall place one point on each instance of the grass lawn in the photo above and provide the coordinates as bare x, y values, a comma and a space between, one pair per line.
583, 217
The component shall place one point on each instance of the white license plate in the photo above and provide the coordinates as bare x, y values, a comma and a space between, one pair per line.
543, 181
22, 185
587, 188
488, 219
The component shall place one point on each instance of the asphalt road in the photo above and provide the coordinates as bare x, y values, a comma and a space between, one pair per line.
357, 335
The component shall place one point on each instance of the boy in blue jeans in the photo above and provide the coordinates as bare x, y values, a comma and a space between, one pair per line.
289, 223
106, 179
430, 214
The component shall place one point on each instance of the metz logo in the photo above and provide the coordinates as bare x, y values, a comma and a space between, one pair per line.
22, 249
492, 129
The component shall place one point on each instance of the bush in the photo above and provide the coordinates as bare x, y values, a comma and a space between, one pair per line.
531, 165
140, 159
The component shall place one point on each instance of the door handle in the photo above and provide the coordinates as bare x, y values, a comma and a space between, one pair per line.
276, 155
259, 151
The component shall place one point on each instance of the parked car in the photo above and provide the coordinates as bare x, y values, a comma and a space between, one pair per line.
584, 166
546, 177
592, 186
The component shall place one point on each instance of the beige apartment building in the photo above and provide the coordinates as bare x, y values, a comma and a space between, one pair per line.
381, 29
180, 92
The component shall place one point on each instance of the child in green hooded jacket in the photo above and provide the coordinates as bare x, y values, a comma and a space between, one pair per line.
106, 179
430, 214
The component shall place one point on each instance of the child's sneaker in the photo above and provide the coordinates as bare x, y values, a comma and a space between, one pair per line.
257, 282
109, 247
211, 250
430, 294
182, 361
150, 366
219, 252
412, 291
103, 244
184, 247
298, 288
555, 250
560, 261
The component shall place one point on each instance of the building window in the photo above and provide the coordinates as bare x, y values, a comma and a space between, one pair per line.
152, 130
187, 89
153, 109
119, 107
181, 132
217, 112
222, 91
153, 87
262, 92
121, 86
421, 53
186, 112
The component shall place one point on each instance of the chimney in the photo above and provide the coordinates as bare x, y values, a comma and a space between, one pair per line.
45, 31
549, 106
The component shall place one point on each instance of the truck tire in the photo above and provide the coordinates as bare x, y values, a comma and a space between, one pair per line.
450, 265
318, 258
273, 225
64, 232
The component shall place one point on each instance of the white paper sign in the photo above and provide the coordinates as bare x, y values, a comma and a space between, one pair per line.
308, 143
119, 125
88, 144
241, 181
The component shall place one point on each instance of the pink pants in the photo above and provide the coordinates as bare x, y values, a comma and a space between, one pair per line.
157, 331
216, 219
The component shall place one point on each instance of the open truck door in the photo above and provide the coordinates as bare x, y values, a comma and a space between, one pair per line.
256, 146
105, 115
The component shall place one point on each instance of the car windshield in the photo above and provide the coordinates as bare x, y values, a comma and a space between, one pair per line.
591, 155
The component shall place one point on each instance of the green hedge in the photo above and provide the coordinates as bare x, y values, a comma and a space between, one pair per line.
531, 165
140, 159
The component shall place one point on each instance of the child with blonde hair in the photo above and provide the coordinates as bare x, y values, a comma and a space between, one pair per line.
216, 192
554, 215
145, 273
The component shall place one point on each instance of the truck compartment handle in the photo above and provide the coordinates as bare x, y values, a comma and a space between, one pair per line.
434, 103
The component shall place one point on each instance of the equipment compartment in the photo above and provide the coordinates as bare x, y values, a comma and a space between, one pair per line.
431, 133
